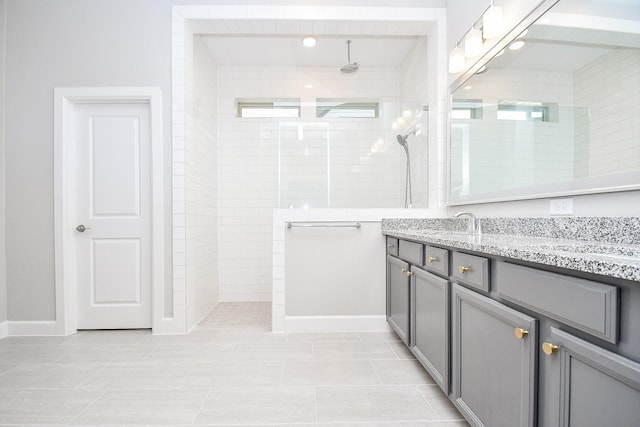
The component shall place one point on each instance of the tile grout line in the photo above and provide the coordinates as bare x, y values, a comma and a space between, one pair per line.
87, 407
204, 401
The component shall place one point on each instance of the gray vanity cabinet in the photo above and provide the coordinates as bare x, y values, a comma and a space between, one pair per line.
398, 297
493, 361
590, 385
430, 324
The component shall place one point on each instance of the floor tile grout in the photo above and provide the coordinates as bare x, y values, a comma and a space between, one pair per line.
323, 372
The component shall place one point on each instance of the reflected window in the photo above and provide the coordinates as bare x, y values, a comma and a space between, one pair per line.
527, 111
466, 109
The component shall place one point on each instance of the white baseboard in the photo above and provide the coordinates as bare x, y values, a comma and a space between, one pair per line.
336, 323
4, 329
32, 328
170, 326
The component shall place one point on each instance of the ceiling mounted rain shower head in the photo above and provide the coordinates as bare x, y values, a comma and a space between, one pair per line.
350, 67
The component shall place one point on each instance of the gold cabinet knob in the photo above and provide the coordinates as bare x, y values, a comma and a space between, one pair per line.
390, 246
521, 333
409, 274
404, 270
432, 259
549, 348
462, 269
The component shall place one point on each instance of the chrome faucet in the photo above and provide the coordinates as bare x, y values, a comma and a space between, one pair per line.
474, 223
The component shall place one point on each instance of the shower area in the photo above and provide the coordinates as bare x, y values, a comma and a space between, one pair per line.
271, 124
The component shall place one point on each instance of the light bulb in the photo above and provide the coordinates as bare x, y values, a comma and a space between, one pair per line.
456, 60
516, 45
492, 22
473, 43
309, 41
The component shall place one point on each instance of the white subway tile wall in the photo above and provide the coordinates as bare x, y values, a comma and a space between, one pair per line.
201, 190
366, 161
306, 162
550, 159
612, 145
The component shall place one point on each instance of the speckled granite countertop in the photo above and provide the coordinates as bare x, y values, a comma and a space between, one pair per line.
605, 246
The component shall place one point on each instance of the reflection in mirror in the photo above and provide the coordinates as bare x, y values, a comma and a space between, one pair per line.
559, 114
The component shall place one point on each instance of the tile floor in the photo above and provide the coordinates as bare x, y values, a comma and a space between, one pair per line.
231, 370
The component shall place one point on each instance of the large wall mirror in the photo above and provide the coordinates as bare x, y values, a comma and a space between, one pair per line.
559, 115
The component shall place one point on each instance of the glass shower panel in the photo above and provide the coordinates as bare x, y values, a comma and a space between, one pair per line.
347, 162
303, 165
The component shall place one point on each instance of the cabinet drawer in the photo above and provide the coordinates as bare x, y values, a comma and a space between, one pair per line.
410, 251
589, 306
392, 246
436, 260
471, 270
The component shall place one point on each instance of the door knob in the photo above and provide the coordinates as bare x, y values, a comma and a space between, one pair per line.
81, 228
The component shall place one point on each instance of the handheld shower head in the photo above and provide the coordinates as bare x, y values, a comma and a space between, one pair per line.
402, 140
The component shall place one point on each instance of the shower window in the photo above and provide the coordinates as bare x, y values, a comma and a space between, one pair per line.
283, 108
347, 109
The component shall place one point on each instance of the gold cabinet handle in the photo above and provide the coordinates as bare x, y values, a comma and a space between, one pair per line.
521, 333
390, 246
462, 269
549, 348
433, 259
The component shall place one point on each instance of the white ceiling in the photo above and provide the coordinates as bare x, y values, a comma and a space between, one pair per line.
289, 51
272, 42
563, 49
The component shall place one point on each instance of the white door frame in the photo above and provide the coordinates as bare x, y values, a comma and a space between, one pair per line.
64, 195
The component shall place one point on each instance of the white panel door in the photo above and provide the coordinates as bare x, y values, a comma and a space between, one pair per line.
113, 225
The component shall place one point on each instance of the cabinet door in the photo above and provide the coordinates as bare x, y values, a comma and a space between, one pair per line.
430, 324
493, 363
596, 387
398, 297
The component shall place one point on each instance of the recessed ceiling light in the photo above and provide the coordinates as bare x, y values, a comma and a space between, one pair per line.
309, 41
516, 45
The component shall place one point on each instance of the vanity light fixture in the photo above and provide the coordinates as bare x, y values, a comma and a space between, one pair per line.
309, 41
492, 22
457, 61
473, 43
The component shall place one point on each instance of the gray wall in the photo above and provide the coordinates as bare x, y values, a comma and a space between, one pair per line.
55, 44
3, 267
